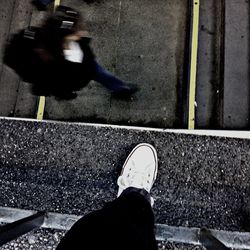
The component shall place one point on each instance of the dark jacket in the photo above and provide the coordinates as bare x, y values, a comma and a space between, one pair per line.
50, 76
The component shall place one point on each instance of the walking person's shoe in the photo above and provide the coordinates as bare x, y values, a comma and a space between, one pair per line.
139, 169
126, 91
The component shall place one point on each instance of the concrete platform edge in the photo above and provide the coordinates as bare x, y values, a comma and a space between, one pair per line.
202, 132
185, 235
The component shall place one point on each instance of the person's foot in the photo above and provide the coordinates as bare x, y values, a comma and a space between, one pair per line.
126, 91
139, 169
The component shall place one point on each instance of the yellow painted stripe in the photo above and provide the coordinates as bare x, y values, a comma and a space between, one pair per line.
193, 64
57, 2
41, 107
41, 104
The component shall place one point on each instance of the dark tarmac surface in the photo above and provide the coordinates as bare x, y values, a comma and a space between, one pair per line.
71, 168
42, 239
47, 239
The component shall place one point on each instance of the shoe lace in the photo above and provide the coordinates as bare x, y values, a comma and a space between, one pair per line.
135, 178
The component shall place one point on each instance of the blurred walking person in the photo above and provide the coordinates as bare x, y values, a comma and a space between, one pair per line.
57, 59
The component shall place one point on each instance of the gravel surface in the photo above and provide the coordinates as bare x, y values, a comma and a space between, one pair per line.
47, 239
42, 239
70, 168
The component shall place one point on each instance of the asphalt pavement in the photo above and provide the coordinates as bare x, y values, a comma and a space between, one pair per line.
72, 168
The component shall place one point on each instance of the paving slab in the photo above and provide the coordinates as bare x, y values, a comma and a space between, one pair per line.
155, 34
237, 58
8, 80
210, 57
140, 42
16, 98
26, 102
73, 168
17, 16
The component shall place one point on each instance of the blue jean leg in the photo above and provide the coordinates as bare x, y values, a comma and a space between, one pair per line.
107, 79
46, 2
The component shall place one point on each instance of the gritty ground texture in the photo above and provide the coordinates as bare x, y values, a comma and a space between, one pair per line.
41, 239
69, 168
47, 239
173, 246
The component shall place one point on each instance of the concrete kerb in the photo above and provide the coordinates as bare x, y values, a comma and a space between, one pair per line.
239, 240
199, 132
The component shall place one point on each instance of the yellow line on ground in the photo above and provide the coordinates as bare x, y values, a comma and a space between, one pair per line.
41, 107
57, 2
41, 104
193, 64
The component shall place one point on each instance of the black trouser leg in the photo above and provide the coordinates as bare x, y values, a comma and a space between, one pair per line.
125, 223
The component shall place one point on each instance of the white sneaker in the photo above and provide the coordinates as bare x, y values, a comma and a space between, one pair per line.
139, 169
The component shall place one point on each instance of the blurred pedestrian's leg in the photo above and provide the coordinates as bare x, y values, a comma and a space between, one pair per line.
46, 2
111, 82
42, 4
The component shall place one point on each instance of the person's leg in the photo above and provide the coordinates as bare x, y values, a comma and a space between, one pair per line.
111, 82
41, 5
46, 2
125, 223
133, 216
128, 221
